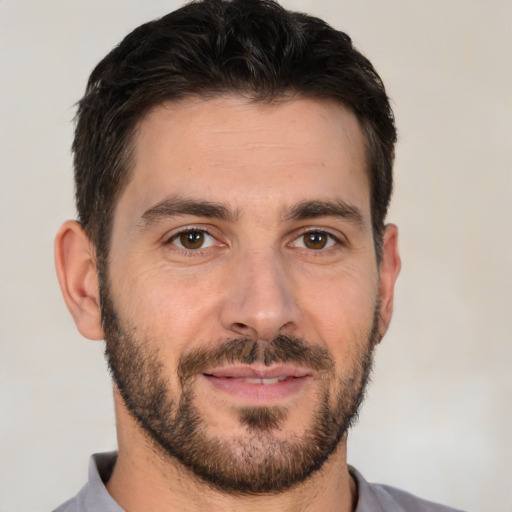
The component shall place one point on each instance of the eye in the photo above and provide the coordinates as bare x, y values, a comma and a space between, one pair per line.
192, 239
315, 240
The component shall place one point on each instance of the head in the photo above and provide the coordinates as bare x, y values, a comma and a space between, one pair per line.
233, 171
212, 48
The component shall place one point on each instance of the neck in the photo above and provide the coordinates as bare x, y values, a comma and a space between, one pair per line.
145, 479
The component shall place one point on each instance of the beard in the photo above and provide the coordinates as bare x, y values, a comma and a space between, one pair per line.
259, 461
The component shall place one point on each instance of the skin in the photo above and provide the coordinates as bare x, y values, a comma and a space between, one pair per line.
255, 275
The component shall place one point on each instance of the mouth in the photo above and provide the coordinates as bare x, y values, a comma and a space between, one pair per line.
261, 386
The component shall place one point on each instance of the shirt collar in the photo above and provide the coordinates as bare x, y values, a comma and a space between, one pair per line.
94, 495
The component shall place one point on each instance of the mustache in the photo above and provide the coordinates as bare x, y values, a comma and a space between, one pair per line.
281, 349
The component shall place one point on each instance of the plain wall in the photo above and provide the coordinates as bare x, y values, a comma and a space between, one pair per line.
438, 417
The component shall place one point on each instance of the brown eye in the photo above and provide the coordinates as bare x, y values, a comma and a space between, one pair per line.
315, 240
193, 239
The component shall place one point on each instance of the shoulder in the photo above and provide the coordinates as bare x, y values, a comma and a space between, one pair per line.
384, 498
68, 506
409, 502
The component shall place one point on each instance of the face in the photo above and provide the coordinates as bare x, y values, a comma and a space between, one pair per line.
242, 299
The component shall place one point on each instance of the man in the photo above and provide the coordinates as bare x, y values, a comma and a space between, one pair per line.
233, 167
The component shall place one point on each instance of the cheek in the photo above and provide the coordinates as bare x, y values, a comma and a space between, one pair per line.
340, 314
172, 309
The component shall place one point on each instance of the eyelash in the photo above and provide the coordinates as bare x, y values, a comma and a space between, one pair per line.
200, 251
190, 252
320, 231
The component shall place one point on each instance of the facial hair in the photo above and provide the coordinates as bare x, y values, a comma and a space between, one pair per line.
255, 463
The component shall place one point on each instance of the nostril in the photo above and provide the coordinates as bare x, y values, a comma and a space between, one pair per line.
240, 326
243, 329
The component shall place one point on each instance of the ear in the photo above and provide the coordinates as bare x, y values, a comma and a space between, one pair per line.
389, 269
75, 261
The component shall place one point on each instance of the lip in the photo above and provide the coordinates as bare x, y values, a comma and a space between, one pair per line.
259, 372
259, 385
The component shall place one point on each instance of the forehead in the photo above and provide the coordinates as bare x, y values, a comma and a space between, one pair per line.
247, 153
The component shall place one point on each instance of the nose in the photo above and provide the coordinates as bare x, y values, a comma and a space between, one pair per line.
260, 300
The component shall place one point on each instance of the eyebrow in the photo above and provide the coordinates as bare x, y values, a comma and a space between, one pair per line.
315, 209
178, 206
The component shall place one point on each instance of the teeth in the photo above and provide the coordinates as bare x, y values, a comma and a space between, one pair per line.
252, 380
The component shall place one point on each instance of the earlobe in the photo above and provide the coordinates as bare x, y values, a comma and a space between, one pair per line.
389, 269
75, 263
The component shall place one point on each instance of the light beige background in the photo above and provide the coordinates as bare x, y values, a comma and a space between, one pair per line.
438, 418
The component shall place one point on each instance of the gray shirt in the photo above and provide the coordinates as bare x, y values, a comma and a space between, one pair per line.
94, 496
